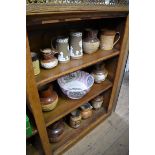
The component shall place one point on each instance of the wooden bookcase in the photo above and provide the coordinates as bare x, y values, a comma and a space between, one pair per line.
42, 26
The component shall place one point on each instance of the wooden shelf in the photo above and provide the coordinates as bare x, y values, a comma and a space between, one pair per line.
37, 9
73, 135
66, 105
47, 76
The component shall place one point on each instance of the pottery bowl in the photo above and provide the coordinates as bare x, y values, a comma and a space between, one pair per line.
77, 84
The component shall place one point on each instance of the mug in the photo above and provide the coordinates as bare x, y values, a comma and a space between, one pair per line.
107, 39
63, 49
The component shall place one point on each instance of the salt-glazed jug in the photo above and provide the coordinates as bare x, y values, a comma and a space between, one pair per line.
107, 39
91, 42
48, 60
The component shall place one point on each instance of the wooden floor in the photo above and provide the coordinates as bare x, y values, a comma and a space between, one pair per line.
112, 136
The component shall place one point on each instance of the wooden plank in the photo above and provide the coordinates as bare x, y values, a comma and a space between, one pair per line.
47, 76
122, 56
71, 135
66, 105
35, 9
121, 75
33, 98
70, 16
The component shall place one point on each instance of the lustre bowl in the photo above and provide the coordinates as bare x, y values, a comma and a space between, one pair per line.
77, 84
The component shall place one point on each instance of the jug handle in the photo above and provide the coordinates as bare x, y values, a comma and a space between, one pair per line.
53, 49
117, 39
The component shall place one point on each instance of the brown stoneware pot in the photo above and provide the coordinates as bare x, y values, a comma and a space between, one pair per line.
48, 98
55, 131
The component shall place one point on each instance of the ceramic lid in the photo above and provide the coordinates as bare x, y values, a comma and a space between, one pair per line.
76, 113
86, 106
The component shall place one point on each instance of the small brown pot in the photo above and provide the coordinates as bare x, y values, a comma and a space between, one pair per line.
48, 98
55, 131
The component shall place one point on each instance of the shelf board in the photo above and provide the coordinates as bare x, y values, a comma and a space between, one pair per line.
66, 105
47, 76
71, 135
37, 9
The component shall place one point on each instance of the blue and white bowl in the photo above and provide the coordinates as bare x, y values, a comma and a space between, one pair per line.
77, 84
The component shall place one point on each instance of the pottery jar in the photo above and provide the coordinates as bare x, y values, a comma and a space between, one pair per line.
107, 39
48, 60
99, 73
48, 98
76, 51
75, 119
55, 131
86, 111
35, 62
91, 42
97, 102
63, 49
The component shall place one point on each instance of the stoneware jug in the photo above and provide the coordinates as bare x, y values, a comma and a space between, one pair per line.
91, 42
107, 39
62, 47
48, 98
76, 51
99, 72
48, 60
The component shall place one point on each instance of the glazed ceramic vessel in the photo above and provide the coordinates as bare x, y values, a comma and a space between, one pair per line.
97, 102
99, 73
86, 111
77, 84
35, 62
75, 119
91, 42
107, 39
48, 60
76, 51
55, 131
48, 98
63, 49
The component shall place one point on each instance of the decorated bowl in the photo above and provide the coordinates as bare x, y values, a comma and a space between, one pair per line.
77, 84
